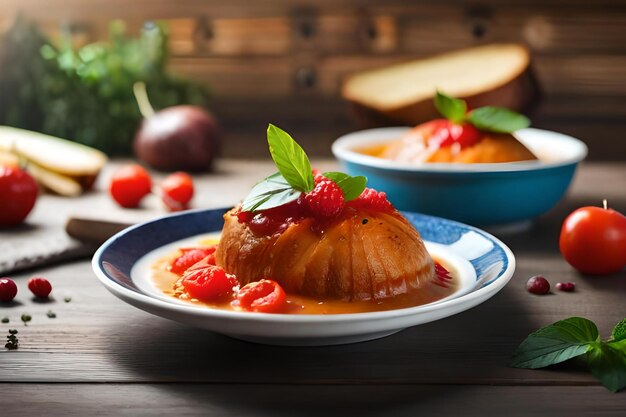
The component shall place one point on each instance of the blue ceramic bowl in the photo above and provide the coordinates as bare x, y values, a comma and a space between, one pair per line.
479, 194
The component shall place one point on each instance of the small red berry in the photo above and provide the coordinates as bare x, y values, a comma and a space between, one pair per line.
538, 285
326, 199
566, 286
372, 199
8, 289
39, 286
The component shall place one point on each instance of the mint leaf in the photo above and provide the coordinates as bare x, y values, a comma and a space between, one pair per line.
497, 119
451, 108
271, 192
556, 343
336, 176
608, 365
290, 159
352, 187
619, 331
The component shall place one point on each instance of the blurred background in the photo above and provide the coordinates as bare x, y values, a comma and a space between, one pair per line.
280, 61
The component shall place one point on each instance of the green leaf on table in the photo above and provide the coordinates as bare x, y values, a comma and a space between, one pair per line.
619, 331
290, 159
271, 192
352, 187
556, 343
608, 365
497, 119
451, 108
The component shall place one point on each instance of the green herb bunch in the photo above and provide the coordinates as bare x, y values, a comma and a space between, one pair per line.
86, 94
294, 176
574, 337
487, 118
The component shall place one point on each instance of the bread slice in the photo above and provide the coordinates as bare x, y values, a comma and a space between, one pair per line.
496, 74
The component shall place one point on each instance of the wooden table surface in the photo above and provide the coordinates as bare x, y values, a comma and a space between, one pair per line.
102, 356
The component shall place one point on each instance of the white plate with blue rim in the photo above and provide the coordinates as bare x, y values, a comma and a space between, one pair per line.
482, 264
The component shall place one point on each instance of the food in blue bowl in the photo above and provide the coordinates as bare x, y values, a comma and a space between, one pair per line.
480, 167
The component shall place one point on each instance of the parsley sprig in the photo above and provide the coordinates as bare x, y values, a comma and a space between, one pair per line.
294, 176
573, 337
488, 118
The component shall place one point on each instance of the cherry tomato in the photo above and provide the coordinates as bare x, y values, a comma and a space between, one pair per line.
593, 240
129, 185
8, 289
177, 191
264, 296
18, 194
189, 257
40, 286
210, 283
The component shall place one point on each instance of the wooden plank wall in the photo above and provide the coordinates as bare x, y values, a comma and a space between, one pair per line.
283, 61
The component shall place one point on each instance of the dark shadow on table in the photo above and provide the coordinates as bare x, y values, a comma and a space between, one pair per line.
435, 353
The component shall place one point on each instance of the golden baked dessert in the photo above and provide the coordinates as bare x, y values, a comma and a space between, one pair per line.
358, 254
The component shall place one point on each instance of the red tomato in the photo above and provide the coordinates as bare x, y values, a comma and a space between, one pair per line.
40, 287
210, 283
8, 289
177, 191
264, 296
189, 257
129, 185
593, 240
18, 193
464, 134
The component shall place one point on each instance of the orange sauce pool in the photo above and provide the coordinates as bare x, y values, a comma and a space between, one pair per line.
168, 283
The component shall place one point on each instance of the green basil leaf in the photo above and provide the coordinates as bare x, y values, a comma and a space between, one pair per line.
271, 192
290, 159
608, 365
451, 108
352, 187
619, 331
556, 343
497, 119
336, 176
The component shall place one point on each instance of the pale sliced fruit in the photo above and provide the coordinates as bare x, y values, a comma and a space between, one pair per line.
57, 183
62, 156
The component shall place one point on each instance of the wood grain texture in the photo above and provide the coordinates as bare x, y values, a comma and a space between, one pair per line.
288, 400
98, 338
279, 60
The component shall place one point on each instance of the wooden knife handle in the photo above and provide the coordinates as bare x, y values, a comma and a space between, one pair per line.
93, 230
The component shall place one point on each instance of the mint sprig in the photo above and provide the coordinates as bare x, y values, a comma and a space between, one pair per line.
573, 337
272, 191
290, 159
352, 187
294, 176
451, 108
497, 119
488, 118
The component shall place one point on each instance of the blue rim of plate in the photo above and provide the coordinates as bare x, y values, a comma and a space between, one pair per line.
128, 246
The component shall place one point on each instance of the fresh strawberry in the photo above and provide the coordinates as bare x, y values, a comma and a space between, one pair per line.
326, 199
